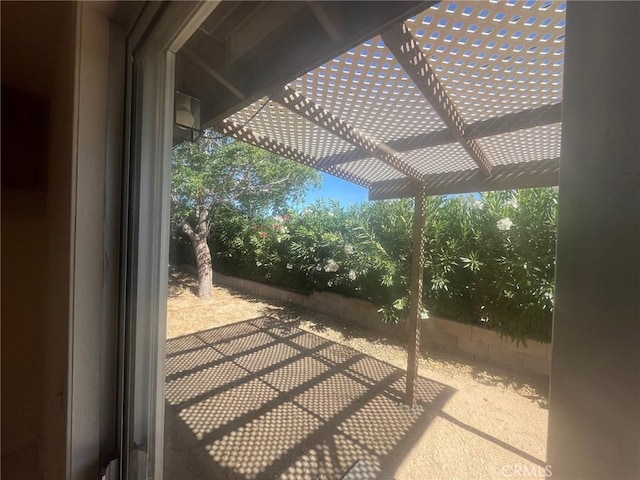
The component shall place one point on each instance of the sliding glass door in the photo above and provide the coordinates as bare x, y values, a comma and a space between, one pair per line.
160, 32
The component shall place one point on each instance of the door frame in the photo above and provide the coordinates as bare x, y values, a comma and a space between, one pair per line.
161, 30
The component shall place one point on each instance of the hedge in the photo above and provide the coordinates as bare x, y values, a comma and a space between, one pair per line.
489, 259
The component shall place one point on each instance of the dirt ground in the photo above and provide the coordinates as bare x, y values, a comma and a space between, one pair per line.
494, 426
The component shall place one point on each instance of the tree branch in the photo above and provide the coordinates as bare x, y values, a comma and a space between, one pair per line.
186, 228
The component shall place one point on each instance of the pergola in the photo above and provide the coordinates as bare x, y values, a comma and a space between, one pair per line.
427, 99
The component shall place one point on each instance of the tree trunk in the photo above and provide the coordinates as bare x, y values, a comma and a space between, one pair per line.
205, 270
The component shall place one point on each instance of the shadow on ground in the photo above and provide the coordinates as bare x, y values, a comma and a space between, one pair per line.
263, 399
180, 282
535, 388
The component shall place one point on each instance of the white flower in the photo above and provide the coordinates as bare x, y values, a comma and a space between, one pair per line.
331, 266
258, 264
504, 224
289, 266
352, 275
319, 267
348, 249
284, 230
330, 283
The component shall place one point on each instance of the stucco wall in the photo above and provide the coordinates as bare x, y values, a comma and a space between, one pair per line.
594, 407
474, 342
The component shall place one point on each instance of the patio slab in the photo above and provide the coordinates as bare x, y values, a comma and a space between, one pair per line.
264, 399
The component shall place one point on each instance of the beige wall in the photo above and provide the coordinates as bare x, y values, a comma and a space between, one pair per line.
594, 404
37, 56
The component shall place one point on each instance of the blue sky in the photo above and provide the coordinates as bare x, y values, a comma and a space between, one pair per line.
336, 188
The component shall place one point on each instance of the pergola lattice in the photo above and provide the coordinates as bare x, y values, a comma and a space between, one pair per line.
462, 97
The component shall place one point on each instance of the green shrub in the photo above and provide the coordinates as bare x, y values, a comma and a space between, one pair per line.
489, 259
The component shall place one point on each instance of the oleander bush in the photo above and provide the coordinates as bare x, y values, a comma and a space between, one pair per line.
489, 259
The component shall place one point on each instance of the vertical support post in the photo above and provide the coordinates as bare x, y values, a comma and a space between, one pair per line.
415, 295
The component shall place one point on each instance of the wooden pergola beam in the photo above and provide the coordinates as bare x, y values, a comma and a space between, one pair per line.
441, 137
534, 117
299, 104
511, 122
245, 134
323, 13
305, 41
541, 173
209, 70
406, 50
415, 295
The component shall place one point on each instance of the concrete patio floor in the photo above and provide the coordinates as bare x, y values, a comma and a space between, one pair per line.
264, 399
257, 390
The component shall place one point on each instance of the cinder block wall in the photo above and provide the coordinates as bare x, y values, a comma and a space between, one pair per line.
473, 342
486, 345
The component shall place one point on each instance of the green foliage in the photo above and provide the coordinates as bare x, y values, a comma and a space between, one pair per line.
489, 260
218, 170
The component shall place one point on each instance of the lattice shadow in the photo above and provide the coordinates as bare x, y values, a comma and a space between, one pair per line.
264, 399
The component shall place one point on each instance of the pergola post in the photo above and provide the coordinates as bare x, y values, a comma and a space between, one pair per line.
415, 295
